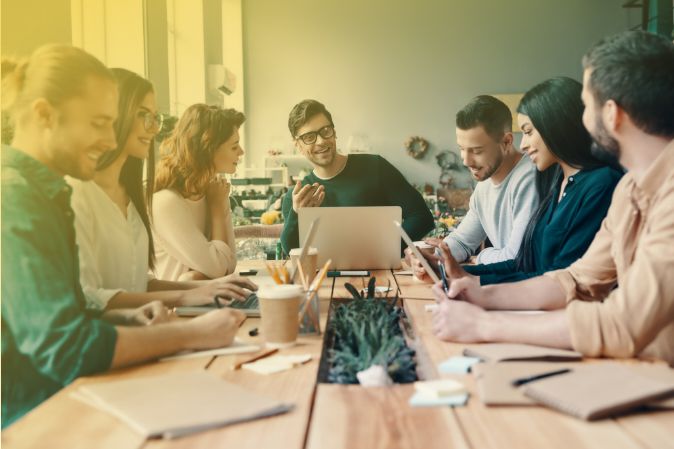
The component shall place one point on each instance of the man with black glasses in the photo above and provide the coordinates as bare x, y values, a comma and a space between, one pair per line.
344, 180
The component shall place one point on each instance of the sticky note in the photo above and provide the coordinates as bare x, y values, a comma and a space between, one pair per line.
440, 388
457, 365
419, 400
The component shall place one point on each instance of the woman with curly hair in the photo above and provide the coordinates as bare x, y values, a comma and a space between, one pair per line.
192, 219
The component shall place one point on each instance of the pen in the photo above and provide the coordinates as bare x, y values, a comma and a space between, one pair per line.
255, 357
334, 274
443, 274
526, 380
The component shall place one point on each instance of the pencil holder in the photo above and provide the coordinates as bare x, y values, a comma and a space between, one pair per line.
310, 314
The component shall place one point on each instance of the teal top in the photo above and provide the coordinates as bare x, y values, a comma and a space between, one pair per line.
48, 337
565, 230
366, 180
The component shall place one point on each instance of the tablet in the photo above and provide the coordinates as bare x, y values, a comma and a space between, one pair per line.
417, 253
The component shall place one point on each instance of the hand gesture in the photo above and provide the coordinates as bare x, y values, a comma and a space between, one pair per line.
310, 195
217, 192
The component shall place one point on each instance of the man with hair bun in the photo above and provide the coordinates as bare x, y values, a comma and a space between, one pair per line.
63, 103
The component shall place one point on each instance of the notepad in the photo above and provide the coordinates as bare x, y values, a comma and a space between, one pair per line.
457, 365
420, 400
177, 404
439, 388
597, 391
496, 352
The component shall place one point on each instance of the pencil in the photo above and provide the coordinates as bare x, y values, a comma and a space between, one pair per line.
272, 273
303, 278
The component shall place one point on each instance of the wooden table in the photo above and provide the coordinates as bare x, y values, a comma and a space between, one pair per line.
334, 416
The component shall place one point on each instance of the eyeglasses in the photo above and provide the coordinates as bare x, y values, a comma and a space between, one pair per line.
152, 121
325, 132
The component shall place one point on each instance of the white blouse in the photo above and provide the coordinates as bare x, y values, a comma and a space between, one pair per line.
113, 249
180, 228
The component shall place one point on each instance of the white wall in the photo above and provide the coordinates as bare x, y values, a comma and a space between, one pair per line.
391, 69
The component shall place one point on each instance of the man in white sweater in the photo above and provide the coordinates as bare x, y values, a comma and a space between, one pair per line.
505, 196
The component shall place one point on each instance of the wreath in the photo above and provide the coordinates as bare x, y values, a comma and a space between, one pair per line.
416, 146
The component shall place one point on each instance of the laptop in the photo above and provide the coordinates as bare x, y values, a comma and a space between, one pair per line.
250, 306
355, 238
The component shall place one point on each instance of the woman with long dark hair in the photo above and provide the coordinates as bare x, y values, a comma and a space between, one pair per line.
574, 187
111, 218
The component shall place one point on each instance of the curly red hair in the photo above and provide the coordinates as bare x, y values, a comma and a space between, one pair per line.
186, 165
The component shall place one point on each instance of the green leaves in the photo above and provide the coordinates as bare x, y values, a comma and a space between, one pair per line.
367, 332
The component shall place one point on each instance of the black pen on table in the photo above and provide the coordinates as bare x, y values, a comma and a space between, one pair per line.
526, 380
443, 275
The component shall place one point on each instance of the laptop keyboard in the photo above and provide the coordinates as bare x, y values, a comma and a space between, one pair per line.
251, 302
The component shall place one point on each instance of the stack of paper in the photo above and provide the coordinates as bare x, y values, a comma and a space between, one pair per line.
444, 392
277, 363
177, 404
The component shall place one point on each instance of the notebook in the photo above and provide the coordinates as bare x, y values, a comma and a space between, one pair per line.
596, 391
497, 352
177, 404
494, 380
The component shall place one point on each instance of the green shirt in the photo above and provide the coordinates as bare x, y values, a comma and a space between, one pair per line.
367, 180
48, 337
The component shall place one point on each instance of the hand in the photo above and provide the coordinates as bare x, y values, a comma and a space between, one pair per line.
458, 321
214, 329
310, 195
466, 289
232, 286
151, 313
217, 192
453, 269
415, 265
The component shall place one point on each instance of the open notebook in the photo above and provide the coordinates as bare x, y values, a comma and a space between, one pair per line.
177, 404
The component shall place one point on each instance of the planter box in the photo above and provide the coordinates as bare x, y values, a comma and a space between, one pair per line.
329, 338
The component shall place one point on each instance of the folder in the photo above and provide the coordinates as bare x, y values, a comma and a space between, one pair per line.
598, 390
177, 404
497, 352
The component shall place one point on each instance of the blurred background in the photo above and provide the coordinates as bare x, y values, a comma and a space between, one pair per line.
386, 69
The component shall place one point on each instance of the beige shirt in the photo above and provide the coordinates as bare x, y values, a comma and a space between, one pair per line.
181, 238
634, 249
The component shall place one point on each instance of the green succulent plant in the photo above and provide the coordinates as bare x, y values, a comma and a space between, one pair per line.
367, 332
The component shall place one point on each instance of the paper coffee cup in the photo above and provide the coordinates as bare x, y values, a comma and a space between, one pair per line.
310, 264
279, 308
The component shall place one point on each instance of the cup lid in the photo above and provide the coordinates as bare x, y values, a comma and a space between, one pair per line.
284, 291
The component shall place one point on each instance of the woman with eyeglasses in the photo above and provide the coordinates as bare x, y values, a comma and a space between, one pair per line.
192, 219
111, 218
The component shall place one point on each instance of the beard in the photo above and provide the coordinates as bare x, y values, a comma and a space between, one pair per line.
604, 147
